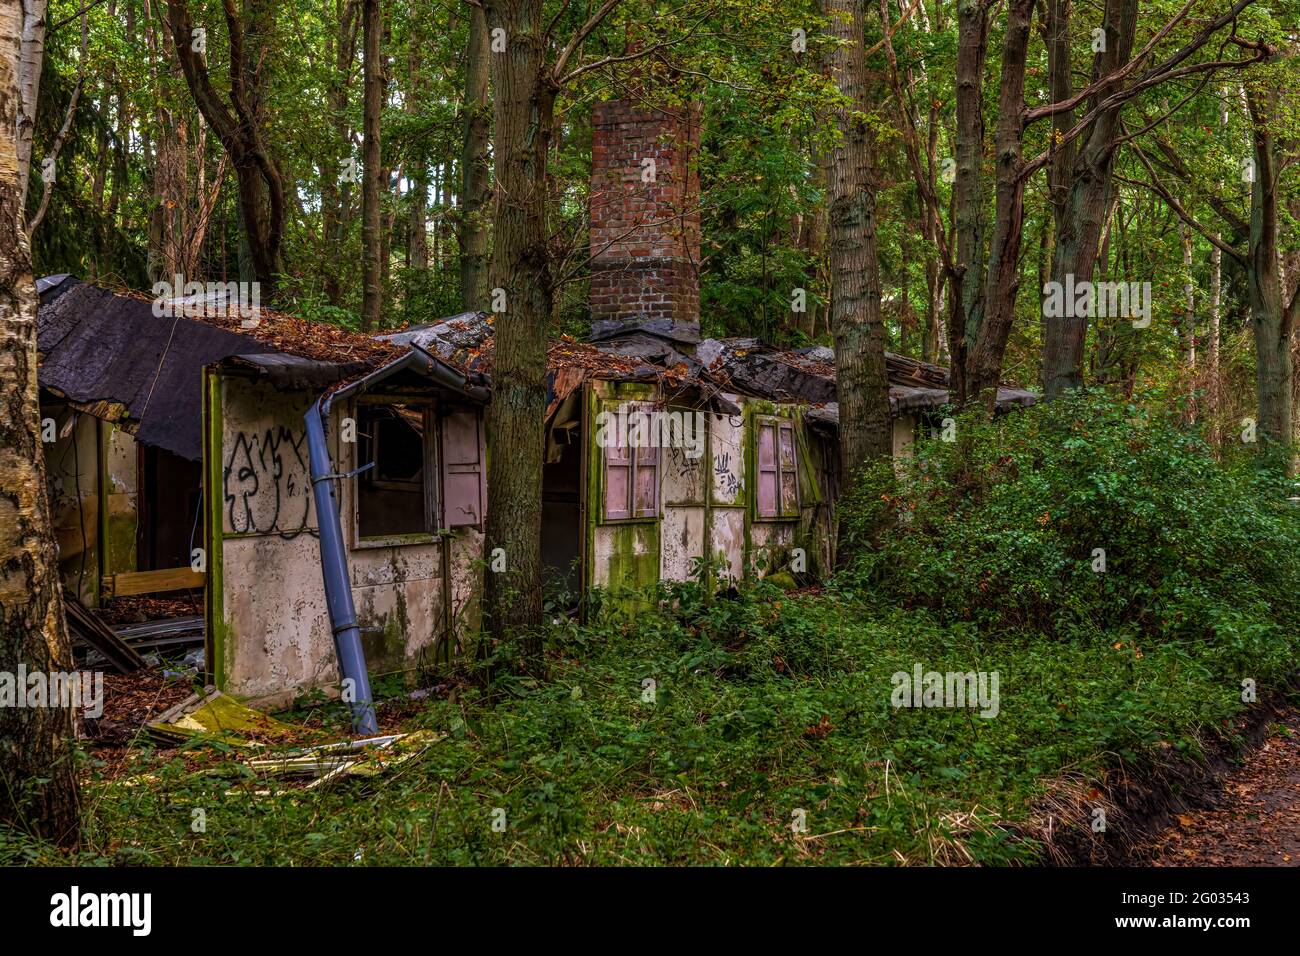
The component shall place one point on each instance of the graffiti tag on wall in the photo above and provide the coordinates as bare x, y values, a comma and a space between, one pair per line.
725, 481
267, 484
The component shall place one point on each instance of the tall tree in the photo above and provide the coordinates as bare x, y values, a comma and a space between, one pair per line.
237, 120
335, 186
475, 170
1274, 310
862, 386
525, 84
38, 783
372, 171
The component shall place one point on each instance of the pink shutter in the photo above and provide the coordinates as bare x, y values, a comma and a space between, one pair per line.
618, 478
768, 471
789, 473
647, 481
464, 472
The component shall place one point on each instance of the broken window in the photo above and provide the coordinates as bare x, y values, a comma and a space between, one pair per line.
394, 497
631, 472
777, 480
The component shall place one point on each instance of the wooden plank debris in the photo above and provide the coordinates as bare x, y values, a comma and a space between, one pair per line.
96, 634
129, 583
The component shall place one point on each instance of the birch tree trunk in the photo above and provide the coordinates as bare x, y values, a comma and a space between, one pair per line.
31, 57
862, 387
38, 784
1187, 334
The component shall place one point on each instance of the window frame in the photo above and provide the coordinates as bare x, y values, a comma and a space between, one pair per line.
633, 465
430, 483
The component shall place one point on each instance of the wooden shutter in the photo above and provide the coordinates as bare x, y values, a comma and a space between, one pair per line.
768, 471
646, 491
786, 461
631, 473
464, 471
618, 477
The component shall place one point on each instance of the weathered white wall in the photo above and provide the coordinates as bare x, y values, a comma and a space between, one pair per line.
729, 501
71, 466
278, 630
681, 533
904, 435
121, 497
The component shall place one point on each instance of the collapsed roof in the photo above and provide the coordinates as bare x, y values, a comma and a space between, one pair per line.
654, 347
109, 355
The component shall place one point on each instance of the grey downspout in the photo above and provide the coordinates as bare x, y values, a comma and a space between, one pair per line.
334, 571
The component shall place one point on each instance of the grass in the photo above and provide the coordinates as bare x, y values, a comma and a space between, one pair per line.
768, 711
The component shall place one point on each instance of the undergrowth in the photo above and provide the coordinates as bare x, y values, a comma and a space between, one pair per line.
705, 728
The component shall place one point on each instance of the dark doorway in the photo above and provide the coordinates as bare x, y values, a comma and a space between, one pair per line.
170, 518
562, 514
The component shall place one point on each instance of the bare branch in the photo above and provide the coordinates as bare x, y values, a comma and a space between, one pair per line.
579, 38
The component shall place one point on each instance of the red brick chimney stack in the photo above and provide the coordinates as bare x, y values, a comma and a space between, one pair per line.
645, 213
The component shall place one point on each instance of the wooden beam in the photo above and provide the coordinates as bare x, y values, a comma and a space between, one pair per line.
151, 582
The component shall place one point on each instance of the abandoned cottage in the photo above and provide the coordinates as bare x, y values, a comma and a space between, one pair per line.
182, 461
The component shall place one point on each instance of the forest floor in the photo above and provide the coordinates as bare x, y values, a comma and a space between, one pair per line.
760, 730
1255, 817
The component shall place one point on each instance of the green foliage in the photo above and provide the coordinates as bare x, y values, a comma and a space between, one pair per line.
762, 704
1005, 527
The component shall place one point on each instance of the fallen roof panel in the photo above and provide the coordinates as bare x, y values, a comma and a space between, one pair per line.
99, 347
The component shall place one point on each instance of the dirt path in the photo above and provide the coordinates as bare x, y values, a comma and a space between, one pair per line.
1256, 818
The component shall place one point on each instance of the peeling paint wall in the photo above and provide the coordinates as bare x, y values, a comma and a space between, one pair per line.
72, 475
121, 459
705, 504
276, 631
904, 435
620, 554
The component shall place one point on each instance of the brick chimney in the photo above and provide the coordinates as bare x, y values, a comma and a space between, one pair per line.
645, 215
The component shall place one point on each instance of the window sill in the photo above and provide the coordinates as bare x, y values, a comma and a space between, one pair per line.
395, 541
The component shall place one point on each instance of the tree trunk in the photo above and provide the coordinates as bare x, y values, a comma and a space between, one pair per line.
475, 187
967, 299
1212, 343
239, 127
1084, 212
984, 356
417, 225
38, 783
1271, 321
523, 109
335, 191
1187, 331
31, 57
862, 387
372, 171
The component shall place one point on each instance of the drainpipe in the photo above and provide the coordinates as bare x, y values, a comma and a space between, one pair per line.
334, 571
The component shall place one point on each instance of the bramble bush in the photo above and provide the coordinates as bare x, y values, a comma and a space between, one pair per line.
1008, 528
